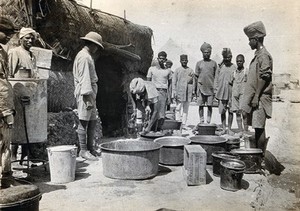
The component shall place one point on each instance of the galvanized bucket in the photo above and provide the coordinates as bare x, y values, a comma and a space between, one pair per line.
62, 162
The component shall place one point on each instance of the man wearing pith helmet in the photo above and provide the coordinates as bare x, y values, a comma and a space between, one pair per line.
85, 80
258, 89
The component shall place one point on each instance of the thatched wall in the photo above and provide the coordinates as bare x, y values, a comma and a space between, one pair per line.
61, 23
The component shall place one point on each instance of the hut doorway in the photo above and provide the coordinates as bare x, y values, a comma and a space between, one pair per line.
110, 99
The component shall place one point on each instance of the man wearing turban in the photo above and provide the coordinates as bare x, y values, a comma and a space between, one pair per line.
257, 98
205, 71
223, 88
144, 96
21, 57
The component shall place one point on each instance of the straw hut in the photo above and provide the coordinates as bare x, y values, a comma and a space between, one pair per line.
61, 23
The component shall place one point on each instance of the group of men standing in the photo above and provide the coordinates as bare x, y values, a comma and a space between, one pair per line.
247, 93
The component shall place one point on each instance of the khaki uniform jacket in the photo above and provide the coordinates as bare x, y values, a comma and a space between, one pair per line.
261, 66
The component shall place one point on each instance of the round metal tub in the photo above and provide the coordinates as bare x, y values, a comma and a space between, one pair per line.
252, 157
130, 159
210, 144
172, 149
220, 156
25, 197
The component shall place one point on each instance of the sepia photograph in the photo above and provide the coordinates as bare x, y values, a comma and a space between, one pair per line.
161, 105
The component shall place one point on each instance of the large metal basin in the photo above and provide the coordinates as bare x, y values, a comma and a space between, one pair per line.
211, 144
130, 159
252, 157
172, 151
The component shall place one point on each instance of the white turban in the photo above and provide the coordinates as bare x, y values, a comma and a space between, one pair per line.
24, 31
137, 86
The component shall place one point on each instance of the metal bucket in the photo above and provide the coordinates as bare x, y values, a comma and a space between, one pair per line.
210, 144
62, 163
218, 157
232, 143
172, 150
171, 125
252, 157
21, 197
130, 159
206, 129
231, 174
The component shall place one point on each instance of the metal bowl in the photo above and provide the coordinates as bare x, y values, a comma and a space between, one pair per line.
172, 149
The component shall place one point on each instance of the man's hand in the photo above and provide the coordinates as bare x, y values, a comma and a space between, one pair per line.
87, 101
254, 102
194, 96
148, 110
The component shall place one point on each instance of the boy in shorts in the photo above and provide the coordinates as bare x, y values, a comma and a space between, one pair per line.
239, 80
223, 88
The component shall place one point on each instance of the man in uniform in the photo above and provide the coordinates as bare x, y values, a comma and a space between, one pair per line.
85, 80
257, 98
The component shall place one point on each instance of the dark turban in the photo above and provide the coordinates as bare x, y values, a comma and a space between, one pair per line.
205, 46
226, 52
255, 30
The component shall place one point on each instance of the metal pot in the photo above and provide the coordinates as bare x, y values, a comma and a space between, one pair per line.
172, 149
130, 159
206, 129
252, 157
170, 124
210, 144
232, 143
24, 197
231, 174
220, 156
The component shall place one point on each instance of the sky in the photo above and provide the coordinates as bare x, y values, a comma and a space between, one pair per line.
219, 22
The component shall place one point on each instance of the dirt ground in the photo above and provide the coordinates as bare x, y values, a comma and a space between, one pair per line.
91, 190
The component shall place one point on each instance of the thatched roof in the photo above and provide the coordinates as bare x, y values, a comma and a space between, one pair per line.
62, 22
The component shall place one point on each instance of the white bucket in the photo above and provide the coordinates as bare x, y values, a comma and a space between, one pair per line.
62, 162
